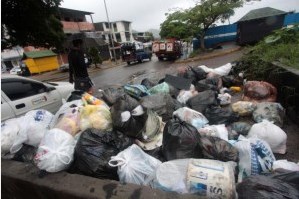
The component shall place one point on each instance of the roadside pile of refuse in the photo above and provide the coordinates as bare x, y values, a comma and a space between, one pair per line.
191, 133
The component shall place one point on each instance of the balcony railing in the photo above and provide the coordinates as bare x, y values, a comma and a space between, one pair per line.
71, 26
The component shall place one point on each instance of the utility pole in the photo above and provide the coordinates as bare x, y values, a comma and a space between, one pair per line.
114, 54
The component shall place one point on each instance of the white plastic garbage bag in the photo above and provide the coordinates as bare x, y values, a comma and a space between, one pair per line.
135, 166
221, 70
224, 99
185, 95
172, 176
191, 116
270, 133
65, 108
255, 157
9, 132
69, 121
55, 152
33, 127
219, 131
284, 164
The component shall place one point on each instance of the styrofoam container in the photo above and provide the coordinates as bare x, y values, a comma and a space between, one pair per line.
211, 178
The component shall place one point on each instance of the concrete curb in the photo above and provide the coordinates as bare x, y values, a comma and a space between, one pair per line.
21, 180
211, 55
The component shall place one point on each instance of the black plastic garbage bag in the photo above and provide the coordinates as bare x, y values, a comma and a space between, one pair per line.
220, 115
218, 149
212, 83
194, 74
111, 95
25, 154
241, 127
180, 140
148, 83
162, 103
201, 101
75, 95
128, 116
201, 86
94, 150
231, 80
265, 187
156, 153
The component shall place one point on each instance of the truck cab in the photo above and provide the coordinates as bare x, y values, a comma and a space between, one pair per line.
169, 49
135, 52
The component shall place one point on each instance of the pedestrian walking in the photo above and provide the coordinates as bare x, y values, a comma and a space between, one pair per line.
78, 73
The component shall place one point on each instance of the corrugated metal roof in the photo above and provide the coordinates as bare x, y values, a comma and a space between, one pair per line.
38, 54
75, 12
261, 13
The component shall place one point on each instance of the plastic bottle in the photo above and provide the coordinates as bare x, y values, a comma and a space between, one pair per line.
91, 99
235, 88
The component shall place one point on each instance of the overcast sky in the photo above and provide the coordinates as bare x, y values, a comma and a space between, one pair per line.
147, 14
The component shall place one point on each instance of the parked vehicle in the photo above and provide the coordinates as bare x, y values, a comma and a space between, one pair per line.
169, 49
16, 70
135, 52
20, 95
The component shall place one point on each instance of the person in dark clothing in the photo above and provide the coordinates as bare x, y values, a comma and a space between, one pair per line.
78, 69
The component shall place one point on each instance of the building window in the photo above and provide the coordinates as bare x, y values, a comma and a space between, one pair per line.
128, 36
115, 27
127, 26
117, 36
107, 25
67, 19
21, 89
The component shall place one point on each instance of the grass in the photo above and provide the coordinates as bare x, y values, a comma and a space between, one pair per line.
281, 46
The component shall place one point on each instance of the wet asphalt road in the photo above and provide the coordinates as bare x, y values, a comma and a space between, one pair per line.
153, 69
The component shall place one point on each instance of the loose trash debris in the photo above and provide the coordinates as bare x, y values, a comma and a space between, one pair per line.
125, 133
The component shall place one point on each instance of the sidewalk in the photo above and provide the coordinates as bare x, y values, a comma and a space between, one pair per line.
57, 75
226, 49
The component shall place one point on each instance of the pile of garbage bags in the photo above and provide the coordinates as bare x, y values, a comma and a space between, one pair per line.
204, 131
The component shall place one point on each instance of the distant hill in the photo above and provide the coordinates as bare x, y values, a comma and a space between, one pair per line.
155, 33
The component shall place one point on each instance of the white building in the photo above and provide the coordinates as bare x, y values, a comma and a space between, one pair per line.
121, 31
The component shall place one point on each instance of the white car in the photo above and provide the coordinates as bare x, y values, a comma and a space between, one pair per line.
20, 95
15, 70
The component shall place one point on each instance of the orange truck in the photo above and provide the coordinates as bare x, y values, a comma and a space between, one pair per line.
170, 49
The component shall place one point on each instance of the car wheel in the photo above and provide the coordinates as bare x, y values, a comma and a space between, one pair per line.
160, 58
128, 62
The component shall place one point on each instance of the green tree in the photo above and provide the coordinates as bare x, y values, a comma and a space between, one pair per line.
206, 12
94, 54
150, 36
175, 25
31, 22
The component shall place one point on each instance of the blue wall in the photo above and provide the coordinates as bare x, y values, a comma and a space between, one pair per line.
228, 33
291, 19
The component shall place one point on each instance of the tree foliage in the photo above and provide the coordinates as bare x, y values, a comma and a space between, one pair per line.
95, 57
198, 19
175, 25
31, 22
